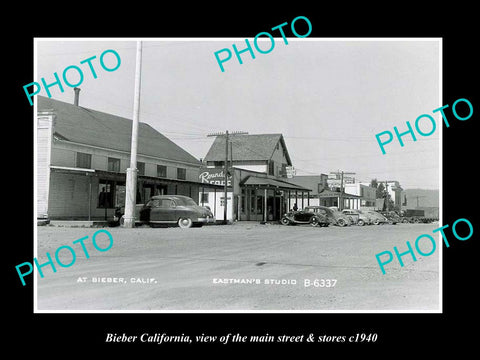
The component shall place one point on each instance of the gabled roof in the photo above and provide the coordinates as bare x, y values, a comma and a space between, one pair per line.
247, 147
90, 127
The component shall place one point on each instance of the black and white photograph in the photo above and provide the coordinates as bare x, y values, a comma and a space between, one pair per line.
221, 178
257, 182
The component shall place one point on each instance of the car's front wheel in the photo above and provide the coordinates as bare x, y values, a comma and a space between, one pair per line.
285, 221
314, 221
360, 222
185, 222
341, 222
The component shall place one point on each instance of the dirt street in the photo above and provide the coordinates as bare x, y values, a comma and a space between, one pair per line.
245, 266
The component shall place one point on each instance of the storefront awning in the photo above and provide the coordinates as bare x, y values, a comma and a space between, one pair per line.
71, 170
272, 183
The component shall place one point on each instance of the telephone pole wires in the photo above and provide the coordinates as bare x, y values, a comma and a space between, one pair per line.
226, 134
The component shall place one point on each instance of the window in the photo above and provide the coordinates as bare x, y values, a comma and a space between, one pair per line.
84, 161
181, 173
167, 203
161, 171
260, 203
113, 164
106, 194
154, 203
204, 197
271, 167
141, 168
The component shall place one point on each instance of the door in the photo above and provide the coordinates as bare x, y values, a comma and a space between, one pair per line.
146, 211
164, 211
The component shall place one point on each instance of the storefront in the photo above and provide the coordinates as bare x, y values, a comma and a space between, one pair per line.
251, 196
339, 200
88, 194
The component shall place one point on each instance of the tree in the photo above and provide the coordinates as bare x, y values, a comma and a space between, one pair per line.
380, 191
374, 183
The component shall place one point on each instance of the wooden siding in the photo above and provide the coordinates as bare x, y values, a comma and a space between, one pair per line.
44, 135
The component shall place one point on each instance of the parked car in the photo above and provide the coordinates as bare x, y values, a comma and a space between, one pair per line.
334, 216
173, 209
392, 217
304, 217
357, 216
377, 218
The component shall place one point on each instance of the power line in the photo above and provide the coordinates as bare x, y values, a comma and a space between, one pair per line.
226, 135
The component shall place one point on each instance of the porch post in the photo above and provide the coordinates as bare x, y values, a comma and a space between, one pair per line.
265, 217
274, 207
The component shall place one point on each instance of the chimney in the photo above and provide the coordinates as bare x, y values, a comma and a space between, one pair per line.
77, 95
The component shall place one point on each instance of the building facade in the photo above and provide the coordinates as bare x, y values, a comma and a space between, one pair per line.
368, 195
82, 156
257, 185
395, 191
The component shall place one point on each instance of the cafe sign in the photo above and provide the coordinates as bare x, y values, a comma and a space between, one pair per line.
214, 176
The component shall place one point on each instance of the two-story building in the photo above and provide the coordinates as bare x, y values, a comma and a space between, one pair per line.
82, 156
257, 184
368, 194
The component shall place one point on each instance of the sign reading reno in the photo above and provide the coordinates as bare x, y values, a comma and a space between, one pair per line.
214, 176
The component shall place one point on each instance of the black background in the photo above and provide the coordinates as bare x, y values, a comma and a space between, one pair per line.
407, 334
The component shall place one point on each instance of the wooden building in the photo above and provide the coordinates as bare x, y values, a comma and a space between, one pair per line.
82, 156
258, 188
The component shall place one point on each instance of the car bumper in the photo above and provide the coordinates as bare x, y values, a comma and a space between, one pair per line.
206, 220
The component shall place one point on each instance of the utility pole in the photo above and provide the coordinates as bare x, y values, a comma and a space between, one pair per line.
342, 190
131, 183
232, 176
225, 168
225, 174
386, 196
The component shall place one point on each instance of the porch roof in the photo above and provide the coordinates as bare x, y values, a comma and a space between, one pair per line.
330, 193
272, 183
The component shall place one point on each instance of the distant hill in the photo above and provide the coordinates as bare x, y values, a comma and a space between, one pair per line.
426, 198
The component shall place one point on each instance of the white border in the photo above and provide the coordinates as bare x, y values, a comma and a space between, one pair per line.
393, 311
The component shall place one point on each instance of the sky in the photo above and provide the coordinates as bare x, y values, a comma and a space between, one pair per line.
328, 97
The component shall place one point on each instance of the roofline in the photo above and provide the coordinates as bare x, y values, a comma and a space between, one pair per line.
287, 155
50, 111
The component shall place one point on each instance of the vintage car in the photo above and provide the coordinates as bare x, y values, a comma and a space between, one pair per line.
377, 218
172, 210
334, 217
357, 216
304, 217
392, 217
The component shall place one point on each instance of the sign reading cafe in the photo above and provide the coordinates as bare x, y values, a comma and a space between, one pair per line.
214, 176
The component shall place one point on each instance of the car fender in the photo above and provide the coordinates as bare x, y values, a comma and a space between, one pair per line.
179, 213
